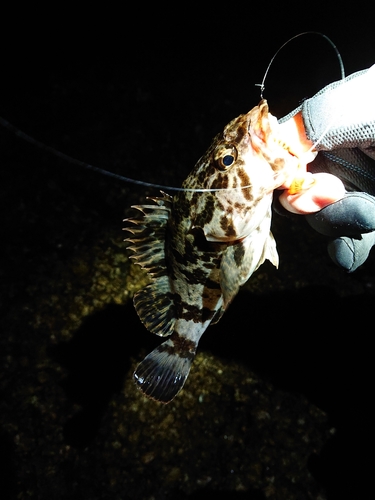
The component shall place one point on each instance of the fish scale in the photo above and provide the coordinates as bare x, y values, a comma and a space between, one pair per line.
200, 247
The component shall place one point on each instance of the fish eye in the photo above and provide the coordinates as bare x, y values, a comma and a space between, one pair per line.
225, 156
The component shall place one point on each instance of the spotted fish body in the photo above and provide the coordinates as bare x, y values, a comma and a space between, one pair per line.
200, 247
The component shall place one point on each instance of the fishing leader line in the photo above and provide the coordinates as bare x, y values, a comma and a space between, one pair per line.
342, 71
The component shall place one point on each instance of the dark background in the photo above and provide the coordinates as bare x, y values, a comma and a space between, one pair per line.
141, 92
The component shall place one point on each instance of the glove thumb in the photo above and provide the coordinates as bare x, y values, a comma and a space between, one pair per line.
350, 253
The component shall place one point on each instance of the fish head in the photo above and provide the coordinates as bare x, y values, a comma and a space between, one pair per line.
240, 170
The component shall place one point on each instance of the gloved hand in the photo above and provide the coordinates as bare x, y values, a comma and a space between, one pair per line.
350, 222
350, 225
340, 122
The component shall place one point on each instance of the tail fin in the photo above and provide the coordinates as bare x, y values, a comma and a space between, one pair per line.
162, 374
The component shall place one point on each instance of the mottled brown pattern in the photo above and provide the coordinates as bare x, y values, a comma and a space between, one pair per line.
239, 253
204, 259
240, 206
278, 163
182, 346
206, 214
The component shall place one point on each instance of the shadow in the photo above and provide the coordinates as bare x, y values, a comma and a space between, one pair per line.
97, 360
296, 340
315, 343
207, 493
312, 342
8, 480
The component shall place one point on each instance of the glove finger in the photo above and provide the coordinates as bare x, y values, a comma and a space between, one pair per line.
279, 209
350, 253
351, 216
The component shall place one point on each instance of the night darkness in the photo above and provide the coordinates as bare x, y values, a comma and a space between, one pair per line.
143, 98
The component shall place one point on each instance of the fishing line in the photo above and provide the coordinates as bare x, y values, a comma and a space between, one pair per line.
19, 133
22, 135
262, 86
40, 145
342, 71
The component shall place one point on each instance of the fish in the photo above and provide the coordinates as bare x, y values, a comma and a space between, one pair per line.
201, 245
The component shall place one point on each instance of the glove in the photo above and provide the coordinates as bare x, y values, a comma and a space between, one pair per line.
340, 121
350, 222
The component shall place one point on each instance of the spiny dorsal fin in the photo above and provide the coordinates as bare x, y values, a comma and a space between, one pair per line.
154, 303
148, 235
162, 374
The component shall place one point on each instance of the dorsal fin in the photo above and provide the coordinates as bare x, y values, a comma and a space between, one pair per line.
154, 303
148, 234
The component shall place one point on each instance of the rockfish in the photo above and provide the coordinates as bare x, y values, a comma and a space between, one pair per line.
199, 247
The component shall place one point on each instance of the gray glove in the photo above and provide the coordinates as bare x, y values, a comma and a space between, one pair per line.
340, 120
350, 221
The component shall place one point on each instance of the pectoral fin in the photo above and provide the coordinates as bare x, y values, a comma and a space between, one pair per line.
241, 260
